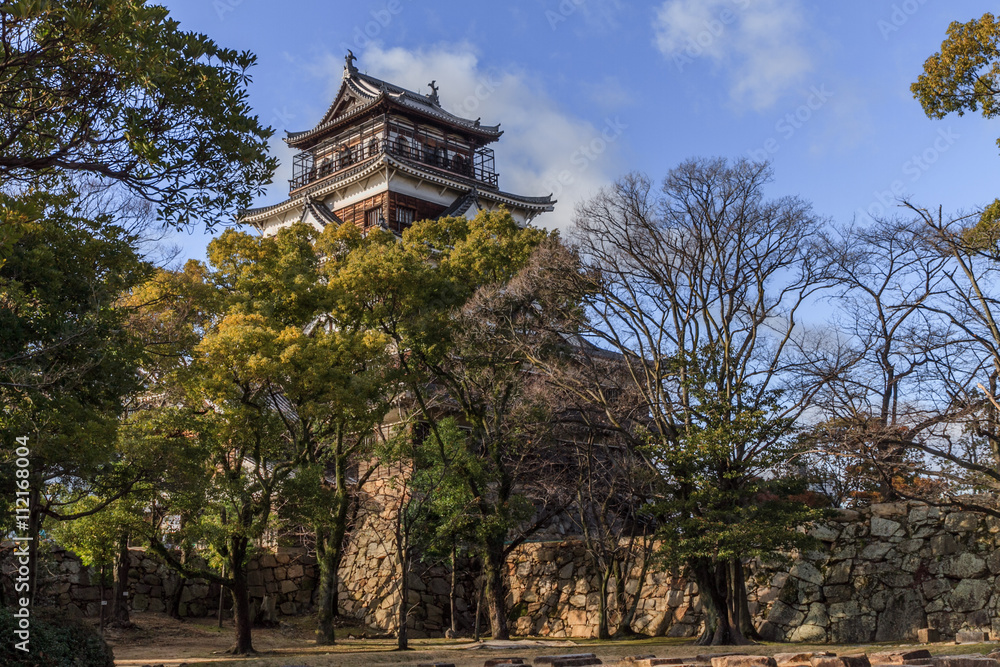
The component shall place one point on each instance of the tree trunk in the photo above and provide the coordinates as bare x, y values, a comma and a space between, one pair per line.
480, 584
174, 603
631, 608
119, 596
402, 633
453, 586
713, 592
241, 598
602, 606
744, 621
496, 594
329, 553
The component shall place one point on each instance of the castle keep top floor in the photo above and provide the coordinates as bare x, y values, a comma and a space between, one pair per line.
383, 155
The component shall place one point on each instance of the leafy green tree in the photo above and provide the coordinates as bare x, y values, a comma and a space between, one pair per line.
153, 441
114, 90
285, 389
68, 357
965, 74
439, 296
101, 540
725, 495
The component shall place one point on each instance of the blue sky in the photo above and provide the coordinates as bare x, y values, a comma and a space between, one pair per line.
587, 90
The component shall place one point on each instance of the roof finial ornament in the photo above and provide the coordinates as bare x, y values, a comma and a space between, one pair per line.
434, 92
350, 61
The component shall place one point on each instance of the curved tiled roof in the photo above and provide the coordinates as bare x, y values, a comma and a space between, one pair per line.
370, 91
321, 213
414, 168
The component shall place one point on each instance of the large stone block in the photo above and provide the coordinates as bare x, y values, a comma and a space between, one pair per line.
902, 617
807, 572
889, 510
957, 661
885, 527
928, 635
852, 629
961, 522
799, 658
783, 614
568, 660
965, 566
440, 586
808, 633
876, 551
942, 545
897, 657
970, 595
840, 573
841, 661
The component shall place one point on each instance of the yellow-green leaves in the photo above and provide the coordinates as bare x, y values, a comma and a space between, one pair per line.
965, 74
985, 234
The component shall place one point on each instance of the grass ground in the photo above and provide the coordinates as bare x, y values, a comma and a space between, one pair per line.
161, 640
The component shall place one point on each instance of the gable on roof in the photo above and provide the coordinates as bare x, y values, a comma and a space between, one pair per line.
343, 107
358, 91
318, 215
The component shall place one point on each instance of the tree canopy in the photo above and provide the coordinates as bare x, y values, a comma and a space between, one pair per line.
115, 90
965, 74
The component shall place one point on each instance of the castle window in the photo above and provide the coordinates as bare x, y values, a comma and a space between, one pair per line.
402, 146
372, 147
430, 154
372, 217
346, 156
405, 216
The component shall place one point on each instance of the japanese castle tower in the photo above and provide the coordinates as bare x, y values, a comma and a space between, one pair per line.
386, 156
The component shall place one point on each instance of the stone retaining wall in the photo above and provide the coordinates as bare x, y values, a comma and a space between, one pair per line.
290, 579
882, 573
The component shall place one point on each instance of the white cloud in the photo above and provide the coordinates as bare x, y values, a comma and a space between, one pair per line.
759, 42
543, 149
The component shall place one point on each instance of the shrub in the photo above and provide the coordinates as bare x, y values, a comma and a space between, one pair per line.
57, 640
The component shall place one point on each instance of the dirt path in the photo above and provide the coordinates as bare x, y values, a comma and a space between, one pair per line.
161, 640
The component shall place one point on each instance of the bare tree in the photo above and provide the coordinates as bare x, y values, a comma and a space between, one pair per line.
697, 291
611, 512
885, 344
954, 431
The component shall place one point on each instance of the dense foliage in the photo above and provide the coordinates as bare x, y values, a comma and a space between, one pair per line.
57, 640
114, 90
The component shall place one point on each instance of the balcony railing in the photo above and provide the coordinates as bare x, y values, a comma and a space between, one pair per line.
480, 168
